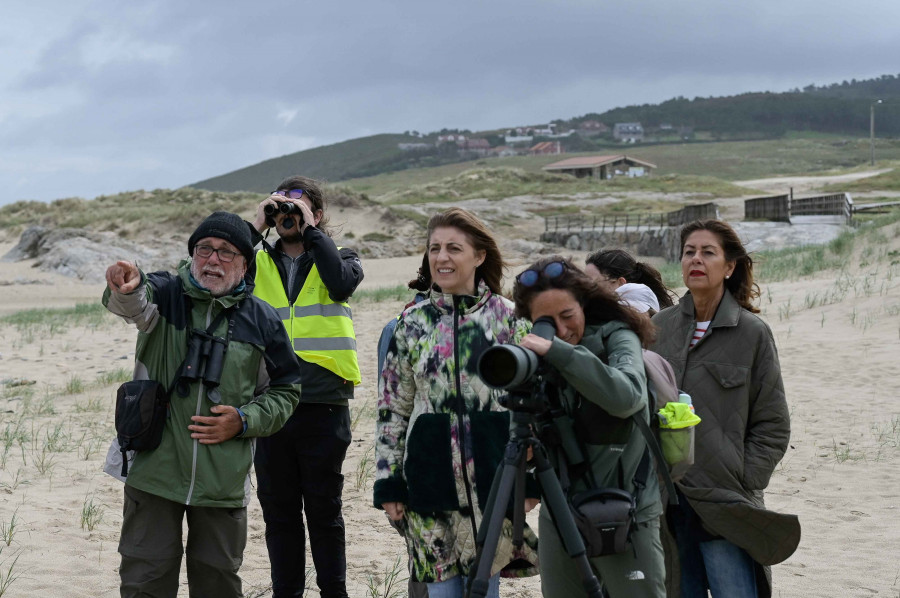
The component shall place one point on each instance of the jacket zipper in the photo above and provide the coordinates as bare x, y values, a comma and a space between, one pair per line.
196, 442
460, 411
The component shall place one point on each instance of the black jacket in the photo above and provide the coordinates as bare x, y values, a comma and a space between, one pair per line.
341, 271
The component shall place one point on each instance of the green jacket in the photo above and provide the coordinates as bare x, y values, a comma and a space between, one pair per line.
260, 377
602, 384
734, 378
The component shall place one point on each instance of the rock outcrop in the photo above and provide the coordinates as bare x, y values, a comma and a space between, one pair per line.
86, 254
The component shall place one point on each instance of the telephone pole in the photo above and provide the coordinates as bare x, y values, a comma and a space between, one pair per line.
872, 132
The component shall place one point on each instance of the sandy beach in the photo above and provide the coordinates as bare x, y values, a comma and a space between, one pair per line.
838, 335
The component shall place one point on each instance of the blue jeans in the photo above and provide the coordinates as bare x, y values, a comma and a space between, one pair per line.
709, 562
455, 587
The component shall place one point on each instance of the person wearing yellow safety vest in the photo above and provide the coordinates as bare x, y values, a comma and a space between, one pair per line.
308, 280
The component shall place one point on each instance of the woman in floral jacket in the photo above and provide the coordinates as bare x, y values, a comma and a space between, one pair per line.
441, 431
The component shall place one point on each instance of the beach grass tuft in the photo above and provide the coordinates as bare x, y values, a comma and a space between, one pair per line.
7, 572
91, 514
389, 584
396, 293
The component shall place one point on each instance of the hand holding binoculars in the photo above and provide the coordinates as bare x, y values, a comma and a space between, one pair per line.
282, 207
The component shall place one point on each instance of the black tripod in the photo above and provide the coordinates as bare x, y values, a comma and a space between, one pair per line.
509, 483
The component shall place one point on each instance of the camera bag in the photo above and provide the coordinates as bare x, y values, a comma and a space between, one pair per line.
141, 409
605, 518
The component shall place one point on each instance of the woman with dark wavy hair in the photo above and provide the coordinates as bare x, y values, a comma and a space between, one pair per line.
617, 270
596, 371
724, 356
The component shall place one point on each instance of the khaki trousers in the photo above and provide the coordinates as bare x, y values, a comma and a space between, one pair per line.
151, 548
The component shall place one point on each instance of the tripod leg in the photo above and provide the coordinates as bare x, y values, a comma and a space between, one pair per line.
494, 514
555, 501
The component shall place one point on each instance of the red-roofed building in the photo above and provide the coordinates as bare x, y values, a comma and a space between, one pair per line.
602, 167
546, 147
478, 144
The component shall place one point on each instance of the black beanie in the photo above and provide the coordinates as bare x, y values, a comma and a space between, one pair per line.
228, 227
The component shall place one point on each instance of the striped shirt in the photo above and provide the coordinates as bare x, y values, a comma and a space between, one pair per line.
699, 331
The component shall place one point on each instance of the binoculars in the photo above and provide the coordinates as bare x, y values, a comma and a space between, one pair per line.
282, 207
205, 360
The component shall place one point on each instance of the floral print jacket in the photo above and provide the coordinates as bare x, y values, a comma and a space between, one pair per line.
441, 432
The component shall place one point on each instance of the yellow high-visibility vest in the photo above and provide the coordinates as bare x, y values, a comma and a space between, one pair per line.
320, 329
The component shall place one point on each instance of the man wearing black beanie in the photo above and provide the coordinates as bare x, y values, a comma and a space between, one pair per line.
227, 226
201, 467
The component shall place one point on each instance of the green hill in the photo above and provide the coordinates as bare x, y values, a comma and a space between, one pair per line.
813, 129
726, 161
837, 108
354, 158
343, 160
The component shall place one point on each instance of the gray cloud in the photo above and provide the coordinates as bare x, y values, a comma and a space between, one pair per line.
99, 96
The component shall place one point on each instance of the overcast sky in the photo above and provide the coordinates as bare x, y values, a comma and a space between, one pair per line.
99, 96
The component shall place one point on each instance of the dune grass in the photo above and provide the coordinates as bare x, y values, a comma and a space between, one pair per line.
492, 183
726, 161
886, 181
399, 292
499, 183
137, 214
54, 320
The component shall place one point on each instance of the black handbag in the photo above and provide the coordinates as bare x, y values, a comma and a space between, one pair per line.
141, 409
605, 518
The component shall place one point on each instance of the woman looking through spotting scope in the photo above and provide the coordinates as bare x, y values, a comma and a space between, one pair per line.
594, 362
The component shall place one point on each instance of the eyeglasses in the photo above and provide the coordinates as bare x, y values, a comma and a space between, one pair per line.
293, 193
225, 255
529, 277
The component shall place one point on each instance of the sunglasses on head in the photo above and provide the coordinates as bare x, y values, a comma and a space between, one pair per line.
292, 194
530, 277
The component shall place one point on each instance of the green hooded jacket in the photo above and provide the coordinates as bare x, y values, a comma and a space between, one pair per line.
260, 377
601, 385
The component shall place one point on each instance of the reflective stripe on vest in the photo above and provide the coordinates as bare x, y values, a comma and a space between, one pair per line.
321, 330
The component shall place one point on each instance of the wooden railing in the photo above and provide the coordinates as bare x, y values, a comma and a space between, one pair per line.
626, 222
775, 208
834, 204
604, 222
880, 207
703, 211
